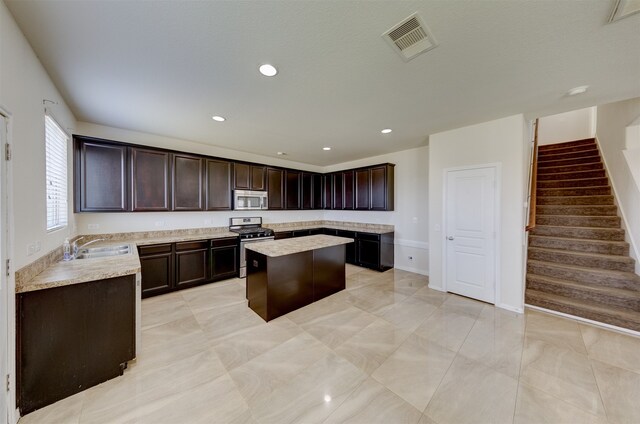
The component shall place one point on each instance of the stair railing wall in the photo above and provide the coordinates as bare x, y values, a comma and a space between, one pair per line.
533, 180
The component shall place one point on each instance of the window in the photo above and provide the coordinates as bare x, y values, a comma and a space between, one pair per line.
56, 149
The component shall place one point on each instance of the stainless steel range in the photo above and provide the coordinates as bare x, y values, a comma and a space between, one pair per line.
250, 231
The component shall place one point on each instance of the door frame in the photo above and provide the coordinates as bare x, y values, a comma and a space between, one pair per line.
497, 166
6, 239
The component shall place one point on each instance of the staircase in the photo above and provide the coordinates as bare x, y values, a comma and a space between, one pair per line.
578, 261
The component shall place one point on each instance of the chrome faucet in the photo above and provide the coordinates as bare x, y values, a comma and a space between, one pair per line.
76, 248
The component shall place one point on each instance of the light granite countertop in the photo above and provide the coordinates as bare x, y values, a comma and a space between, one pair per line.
296, 245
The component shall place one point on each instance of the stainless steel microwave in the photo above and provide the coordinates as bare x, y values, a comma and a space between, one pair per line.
244, 200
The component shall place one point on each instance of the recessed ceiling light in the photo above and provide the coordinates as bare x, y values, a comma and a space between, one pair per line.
386, 131
577, 90
268, 70
282, 154
326, 148
218, 118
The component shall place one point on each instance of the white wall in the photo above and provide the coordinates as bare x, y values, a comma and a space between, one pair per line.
410, 217
613, 119
501, 141
568, 126
23, 85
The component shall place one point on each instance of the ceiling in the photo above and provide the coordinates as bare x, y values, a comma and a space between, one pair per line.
165, 67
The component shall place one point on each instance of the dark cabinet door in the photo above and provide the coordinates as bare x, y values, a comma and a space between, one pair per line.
283, 235
257, 177
242, 176
188, 177
150, 189
301, 233
351, 247
191, 263
275, 188
363, 188
337, 191
101, 177
292, 189
382, 188
347, 190
368, 250
306, 192
314, 231
157, 264
224, 258
316, 191
327, 191
218, 189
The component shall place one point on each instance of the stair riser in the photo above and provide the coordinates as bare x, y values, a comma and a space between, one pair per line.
576, 200
572, 175
567, 145
552, 155
570, 168
568, 258
584, 246
612, 234
567, 309
545, 152
584, 292
583, 276
579, 221
587, 182
591, 191
577, 210
564, 162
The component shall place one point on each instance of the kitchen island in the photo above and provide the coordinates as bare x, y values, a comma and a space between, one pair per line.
285, 275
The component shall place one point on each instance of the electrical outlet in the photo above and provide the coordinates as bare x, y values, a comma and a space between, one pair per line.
93, 226
38, 246
410, 258
31, 249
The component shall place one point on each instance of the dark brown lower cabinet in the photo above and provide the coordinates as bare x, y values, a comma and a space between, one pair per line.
283, 235
73, 337
351, 247
175, 266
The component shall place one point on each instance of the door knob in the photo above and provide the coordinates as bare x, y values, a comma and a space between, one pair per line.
450, 238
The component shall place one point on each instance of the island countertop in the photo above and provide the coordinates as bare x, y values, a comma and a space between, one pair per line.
296, 245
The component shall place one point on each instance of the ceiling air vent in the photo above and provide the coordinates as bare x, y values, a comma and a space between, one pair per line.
410, 37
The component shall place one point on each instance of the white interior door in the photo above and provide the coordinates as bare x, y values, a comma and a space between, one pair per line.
470, 212
4, 299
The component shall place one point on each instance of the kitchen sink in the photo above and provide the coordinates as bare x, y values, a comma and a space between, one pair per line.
102, 252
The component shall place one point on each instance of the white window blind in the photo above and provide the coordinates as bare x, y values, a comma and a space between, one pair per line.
56, 141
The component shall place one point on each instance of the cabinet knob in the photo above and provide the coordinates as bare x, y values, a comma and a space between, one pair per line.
450, 238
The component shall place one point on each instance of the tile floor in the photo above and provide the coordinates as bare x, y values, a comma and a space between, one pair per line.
388, 350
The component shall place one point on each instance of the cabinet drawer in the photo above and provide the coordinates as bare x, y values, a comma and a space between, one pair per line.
191, 245
229, 241
369, 236
154, 249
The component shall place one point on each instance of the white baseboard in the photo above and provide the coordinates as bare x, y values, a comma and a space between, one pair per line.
414, 270
510, 308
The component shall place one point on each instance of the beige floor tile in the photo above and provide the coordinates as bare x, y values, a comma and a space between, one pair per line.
495, 346
406, 286
536, 407
259, 377
409, 313
245, 346
561, 372
613, 348
434, 297
224, 322
372, 403
555, 330
446, 328
415, 370
369, 348
463, 306
318, 310
620, 391
374, 299
360, 279
214, 295
426, 420
334, 329
163, 309
472, 393
311, 395
65, 411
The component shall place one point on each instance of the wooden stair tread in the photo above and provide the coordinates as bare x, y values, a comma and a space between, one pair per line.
616, 258
634, 294
630, 276
579, 240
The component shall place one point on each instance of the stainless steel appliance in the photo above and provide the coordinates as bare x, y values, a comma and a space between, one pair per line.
250, 231
250, 200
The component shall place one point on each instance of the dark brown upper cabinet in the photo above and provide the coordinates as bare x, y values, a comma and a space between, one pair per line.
347, 189
363, 189
150, 189
188, 177
382, 187
327, 191
218, 186
249, 177
292, 189
100, 176
306, 191
316, 191
338, 195
275, 188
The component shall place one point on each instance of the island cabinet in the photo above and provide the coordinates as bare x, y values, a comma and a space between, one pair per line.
218, 186
150, 180
249, 177
187, 182
275, 188
224, 258
71, 338
292, 189
100, 176
351, 247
